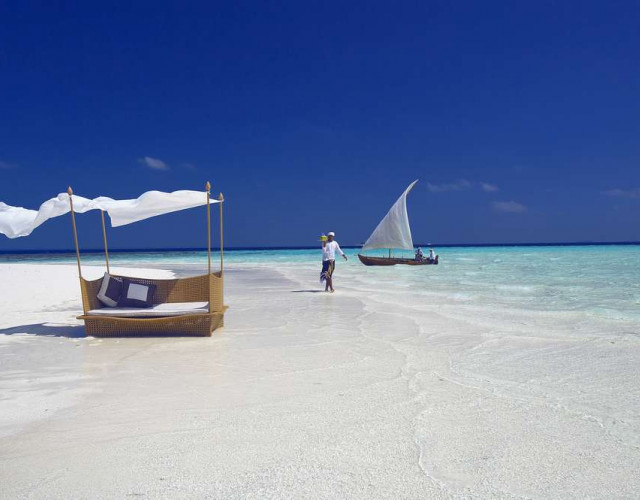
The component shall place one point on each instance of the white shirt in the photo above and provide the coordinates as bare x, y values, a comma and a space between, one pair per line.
330, 249
432, 255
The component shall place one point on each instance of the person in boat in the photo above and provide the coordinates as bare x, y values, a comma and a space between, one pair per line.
432, 255
419, 255
329, 249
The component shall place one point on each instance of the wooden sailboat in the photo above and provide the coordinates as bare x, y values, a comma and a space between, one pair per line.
393, 232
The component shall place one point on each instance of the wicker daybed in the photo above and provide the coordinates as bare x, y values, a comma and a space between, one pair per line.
192, 306
203, 293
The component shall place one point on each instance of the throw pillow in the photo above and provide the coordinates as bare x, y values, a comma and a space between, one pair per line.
136, 294
110, 291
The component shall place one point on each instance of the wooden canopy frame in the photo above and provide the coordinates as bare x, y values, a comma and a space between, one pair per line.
205, 288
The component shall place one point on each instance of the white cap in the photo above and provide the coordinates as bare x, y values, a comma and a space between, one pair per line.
331, 233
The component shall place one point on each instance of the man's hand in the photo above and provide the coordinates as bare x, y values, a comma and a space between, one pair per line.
345, 257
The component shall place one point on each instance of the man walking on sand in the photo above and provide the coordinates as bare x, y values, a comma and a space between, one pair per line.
329, 249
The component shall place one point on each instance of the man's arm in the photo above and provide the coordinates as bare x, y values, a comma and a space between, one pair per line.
340, 251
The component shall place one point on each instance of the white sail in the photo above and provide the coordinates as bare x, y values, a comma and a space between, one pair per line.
393, 231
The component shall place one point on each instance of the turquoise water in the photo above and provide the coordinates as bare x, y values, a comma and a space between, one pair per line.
602, 280
599, 280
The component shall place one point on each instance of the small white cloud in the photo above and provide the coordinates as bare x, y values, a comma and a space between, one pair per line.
489, 188
153, 163
623, 193
460, 185
188, 166
510, 207
6, 166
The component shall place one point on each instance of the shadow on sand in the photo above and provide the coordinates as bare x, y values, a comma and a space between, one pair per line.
46, 330
307, 291
77, 332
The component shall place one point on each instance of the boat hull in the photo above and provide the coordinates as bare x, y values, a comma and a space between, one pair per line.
392, 261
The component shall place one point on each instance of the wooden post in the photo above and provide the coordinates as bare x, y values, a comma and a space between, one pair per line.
104, 237
75, 232
221, 201
208, 189
75, 241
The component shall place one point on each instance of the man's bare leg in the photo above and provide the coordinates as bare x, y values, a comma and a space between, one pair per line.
328, 285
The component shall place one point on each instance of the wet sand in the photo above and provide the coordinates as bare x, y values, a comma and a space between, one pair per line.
358, 394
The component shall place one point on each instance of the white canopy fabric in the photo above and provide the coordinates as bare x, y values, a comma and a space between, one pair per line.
17, 221
393, 231
149, 204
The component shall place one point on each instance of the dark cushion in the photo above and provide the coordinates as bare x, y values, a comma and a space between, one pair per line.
135, 294
110, 290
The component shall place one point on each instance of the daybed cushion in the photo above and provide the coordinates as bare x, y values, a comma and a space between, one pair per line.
136, 294
110, 291
157, 311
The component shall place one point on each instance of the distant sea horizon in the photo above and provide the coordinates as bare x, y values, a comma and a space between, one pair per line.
311, 247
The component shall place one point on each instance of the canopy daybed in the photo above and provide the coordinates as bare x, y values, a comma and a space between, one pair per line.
184, 306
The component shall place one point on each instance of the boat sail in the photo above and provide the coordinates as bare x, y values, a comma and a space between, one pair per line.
393, 232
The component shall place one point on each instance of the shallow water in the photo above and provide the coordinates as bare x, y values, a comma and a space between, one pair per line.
598, 281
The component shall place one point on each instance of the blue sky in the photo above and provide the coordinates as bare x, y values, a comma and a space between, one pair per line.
521, 119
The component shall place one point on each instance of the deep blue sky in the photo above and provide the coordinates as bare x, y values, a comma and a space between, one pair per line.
521, 119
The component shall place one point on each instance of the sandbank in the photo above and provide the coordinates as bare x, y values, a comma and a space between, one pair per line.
358, 394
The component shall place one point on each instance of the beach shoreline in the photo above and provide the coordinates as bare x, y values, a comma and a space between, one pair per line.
361, 393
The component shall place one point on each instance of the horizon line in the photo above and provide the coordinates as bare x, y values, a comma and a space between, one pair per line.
249, 248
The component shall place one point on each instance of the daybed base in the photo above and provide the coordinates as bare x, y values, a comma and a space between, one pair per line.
197, 325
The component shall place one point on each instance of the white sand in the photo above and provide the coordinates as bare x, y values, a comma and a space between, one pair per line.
310, 395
